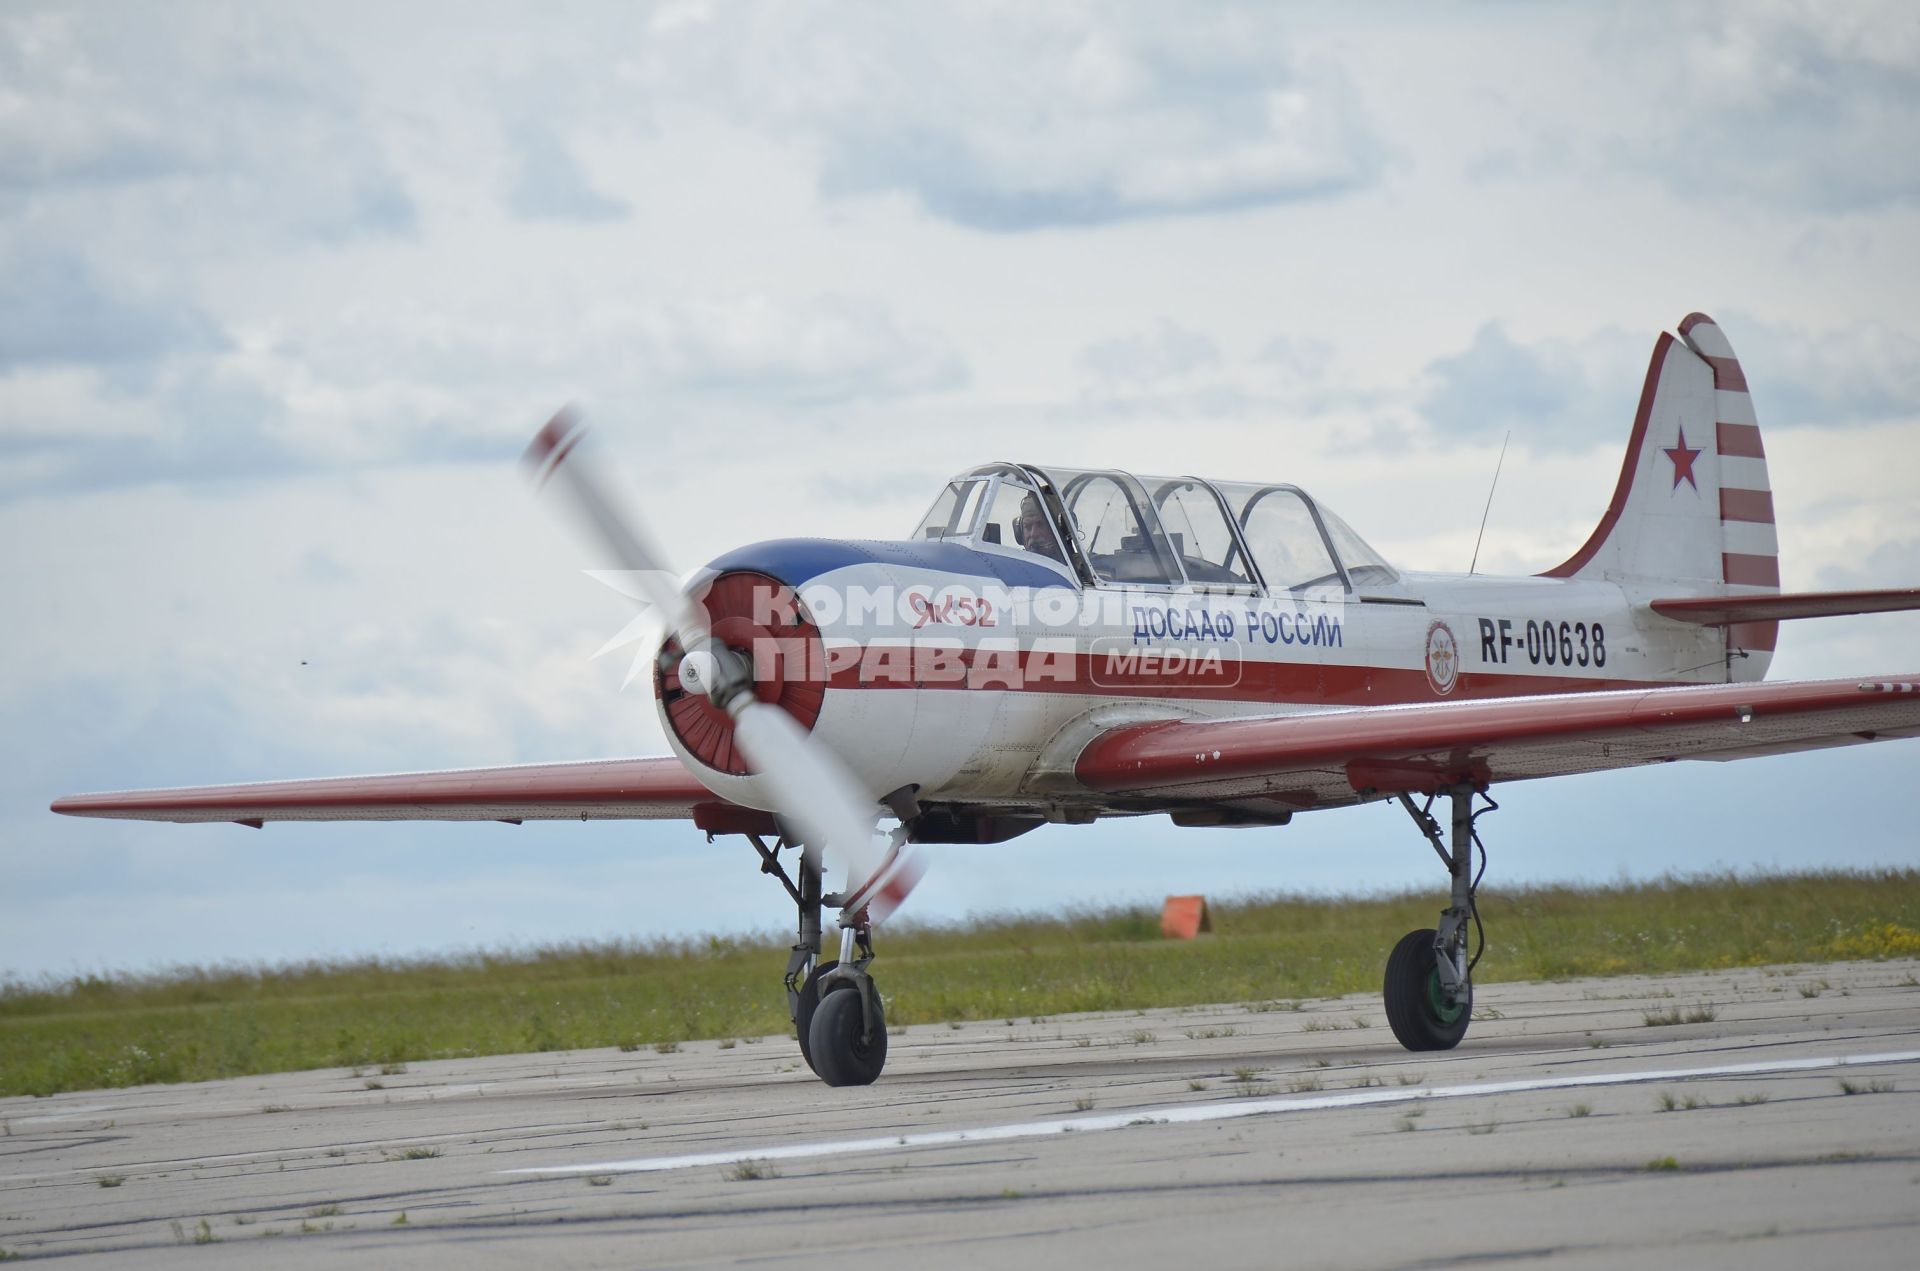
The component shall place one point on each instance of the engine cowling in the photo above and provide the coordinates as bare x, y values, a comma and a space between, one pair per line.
848, 639
759, 618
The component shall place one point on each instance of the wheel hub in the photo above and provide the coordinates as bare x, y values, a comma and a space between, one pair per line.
1443, 1010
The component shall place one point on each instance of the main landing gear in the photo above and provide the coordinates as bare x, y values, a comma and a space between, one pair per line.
1429, 981
836, 1010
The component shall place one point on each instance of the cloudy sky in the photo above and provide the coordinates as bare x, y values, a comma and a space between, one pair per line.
283, 290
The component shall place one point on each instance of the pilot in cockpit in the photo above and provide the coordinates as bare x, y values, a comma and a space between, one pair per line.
1032, 531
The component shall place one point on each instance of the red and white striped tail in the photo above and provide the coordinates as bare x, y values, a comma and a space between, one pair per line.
1692, 513
1750, 546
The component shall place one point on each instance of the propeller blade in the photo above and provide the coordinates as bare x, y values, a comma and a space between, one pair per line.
551, 459
889, 885
809, 784
811, 787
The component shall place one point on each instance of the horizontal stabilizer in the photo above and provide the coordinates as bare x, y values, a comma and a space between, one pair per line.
1722, 611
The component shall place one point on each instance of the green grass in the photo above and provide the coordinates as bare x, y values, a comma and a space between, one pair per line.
191, 1024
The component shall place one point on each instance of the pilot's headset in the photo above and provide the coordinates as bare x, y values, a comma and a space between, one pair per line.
1029, 506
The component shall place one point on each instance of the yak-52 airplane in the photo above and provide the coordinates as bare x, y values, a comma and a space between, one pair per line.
1062, 645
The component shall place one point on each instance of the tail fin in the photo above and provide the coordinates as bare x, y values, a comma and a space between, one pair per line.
1693, 509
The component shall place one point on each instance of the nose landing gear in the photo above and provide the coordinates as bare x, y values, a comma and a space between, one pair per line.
1429, 980
847, 1035
836, 1010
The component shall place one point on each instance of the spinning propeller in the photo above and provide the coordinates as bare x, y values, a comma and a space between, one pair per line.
806, 781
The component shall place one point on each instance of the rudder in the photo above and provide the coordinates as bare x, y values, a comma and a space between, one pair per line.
1693, 508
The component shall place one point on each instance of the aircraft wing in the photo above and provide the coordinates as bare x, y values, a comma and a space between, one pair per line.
657, 788
1337, 756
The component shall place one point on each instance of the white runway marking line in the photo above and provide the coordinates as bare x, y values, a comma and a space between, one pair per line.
1190, 1113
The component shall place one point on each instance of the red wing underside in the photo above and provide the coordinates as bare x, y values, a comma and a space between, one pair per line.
1335, 757
592, 790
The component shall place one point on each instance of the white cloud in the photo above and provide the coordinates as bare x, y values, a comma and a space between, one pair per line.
295, 330
1552, 394
829, 348
1805, 105
1568, 394
1166, 351
1297, 359
547, 180
409, 381
1869, 374
55, 310
1011, 117
200, 117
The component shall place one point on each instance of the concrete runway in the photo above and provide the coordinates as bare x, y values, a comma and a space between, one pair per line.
1228, 1136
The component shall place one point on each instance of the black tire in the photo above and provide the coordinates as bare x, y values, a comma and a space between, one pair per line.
809, 1003
1416, 1010
840, 1057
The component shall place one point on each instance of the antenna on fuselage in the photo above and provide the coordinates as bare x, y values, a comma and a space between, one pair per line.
1490, 489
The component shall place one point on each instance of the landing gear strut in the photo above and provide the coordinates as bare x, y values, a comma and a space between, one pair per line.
836, 1010
1429, 980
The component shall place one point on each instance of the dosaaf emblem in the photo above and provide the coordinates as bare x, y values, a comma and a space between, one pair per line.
1443, 658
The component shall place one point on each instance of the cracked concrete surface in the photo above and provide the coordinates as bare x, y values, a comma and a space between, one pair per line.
1751, 1169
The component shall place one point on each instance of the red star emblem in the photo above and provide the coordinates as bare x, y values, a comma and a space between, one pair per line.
1683, 457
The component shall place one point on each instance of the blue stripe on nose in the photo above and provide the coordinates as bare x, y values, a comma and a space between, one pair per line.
797, 561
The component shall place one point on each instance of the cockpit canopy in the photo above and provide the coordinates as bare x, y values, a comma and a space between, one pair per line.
1114, 528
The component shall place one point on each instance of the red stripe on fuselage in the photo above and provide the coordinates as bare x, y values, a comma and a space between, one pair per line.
1091, 674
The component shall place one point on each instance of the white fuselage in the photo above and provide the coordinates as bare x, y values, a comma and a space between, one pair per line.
983, 689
